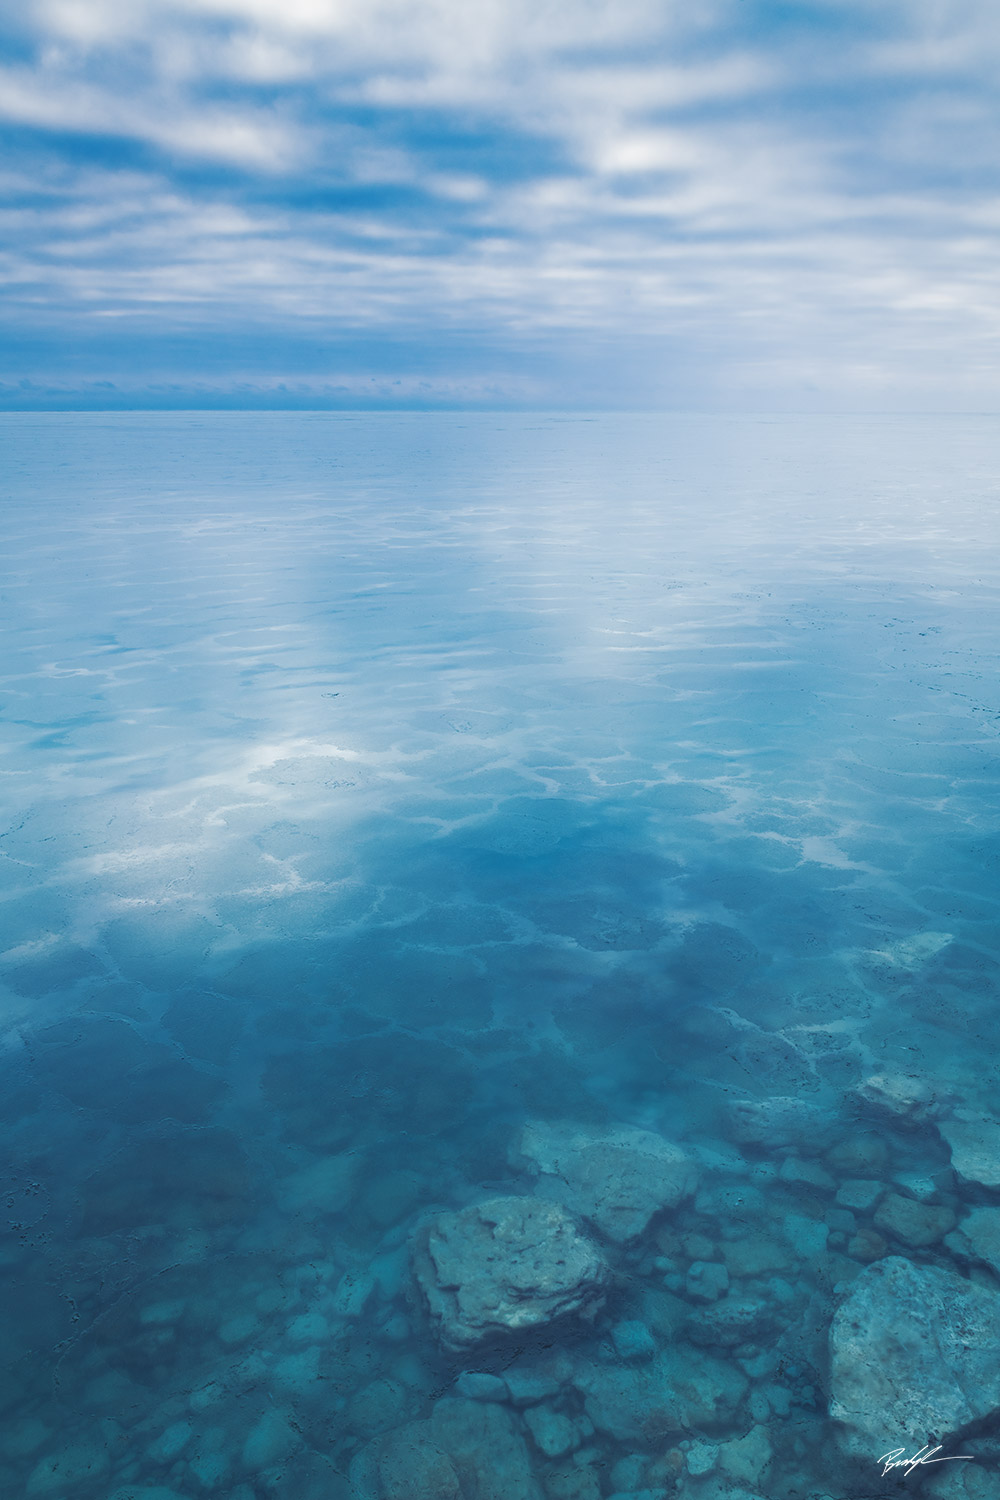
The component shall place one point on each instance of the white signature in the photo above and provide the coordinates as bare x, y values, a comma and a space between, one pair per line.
894, 1459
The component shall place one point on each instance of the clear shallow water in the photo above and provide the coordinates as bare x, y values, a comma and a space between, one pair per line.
375, 784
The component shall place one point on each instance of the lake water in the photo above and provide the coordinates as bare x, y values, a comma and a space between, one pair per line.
375, 784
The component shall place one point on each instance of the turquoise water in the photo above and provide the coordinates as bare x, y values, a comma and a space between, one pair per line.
374, 784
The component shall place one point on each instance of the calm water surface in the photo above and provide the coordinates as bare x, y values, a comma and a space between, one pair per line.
373, 785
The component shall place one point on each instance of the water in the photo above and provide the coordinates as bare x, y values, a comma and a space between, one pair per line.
374, 784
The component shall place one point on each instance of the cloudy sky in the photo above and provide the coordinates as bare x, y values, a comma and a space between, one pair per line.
736, 204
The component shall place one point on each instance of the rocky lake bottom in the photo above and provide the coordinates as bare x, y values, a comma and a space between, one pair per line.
500, 960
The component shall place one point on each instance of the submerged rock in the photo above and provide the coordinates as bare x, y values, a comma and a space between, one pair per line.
706, 1281
553, 1433
681, 1390
914, 1355
781, 1121
732, 1321
977, 1238
633, 1340
974, 1141
486, 1449
860, 1194
897, 1097
917, 1224
505, 1266
408, 1464
618, 1179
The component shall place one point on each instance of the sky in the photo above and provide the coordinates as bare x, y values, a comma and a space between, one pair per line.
649, 204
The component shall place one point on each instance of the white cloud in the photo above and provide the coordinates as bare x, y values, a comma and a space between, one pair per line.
647, 169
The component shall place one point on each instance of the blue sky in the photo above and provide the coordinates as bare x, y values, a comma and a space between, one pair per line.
725, 204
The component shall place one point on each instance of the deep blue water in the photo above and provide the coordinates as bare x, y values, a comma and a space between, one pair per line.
373, 784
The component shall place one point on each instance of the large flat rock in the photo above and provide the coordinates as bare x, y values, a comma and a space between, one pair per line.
914, 1357
503, 1267
974, 1141
648, 1405
617, 1179
466, 1450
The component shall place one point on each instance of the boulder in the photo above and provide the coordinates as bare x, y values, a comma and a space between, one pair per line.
466, 1450
916, 1224
553, 1433
781, 1121
408, 1464
860, 1194
505, 1266
681, 1390
914, 1357
974, 1141
977, 1238
616, 1179
486, 1449
706, 1281
733, 1321
898, 1098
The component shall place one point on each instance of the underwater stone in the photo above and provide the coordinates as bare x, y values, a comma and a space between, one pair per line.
732, 1321
701, 1459
754, 1255
618, 1179
526, 1386
975, 1481
747, 1457
210, 1469
77, 1465
734, 1205
706, 1281
505, 1266
381, 1404
914, 1353
269, 1441
576, 1481
553, 1434
916, 1224
297, 1373
841, 1220
163, 1312
925, 1185
478, 1385
861, 1154
237, 1330
977, 1237
172, 1441
682, 1389
780, 1121
806, 1173
807, 1237
627, 1473
975, 1148
897, 1097
407, 1464
354, 1292
487, 1451
633, 1340
866, 1246
324, 1187
308, 1328
390, 1272
860, 1194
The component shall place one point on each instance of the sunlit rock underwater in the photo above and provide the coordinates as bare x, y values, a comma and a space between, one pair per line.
500, 957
